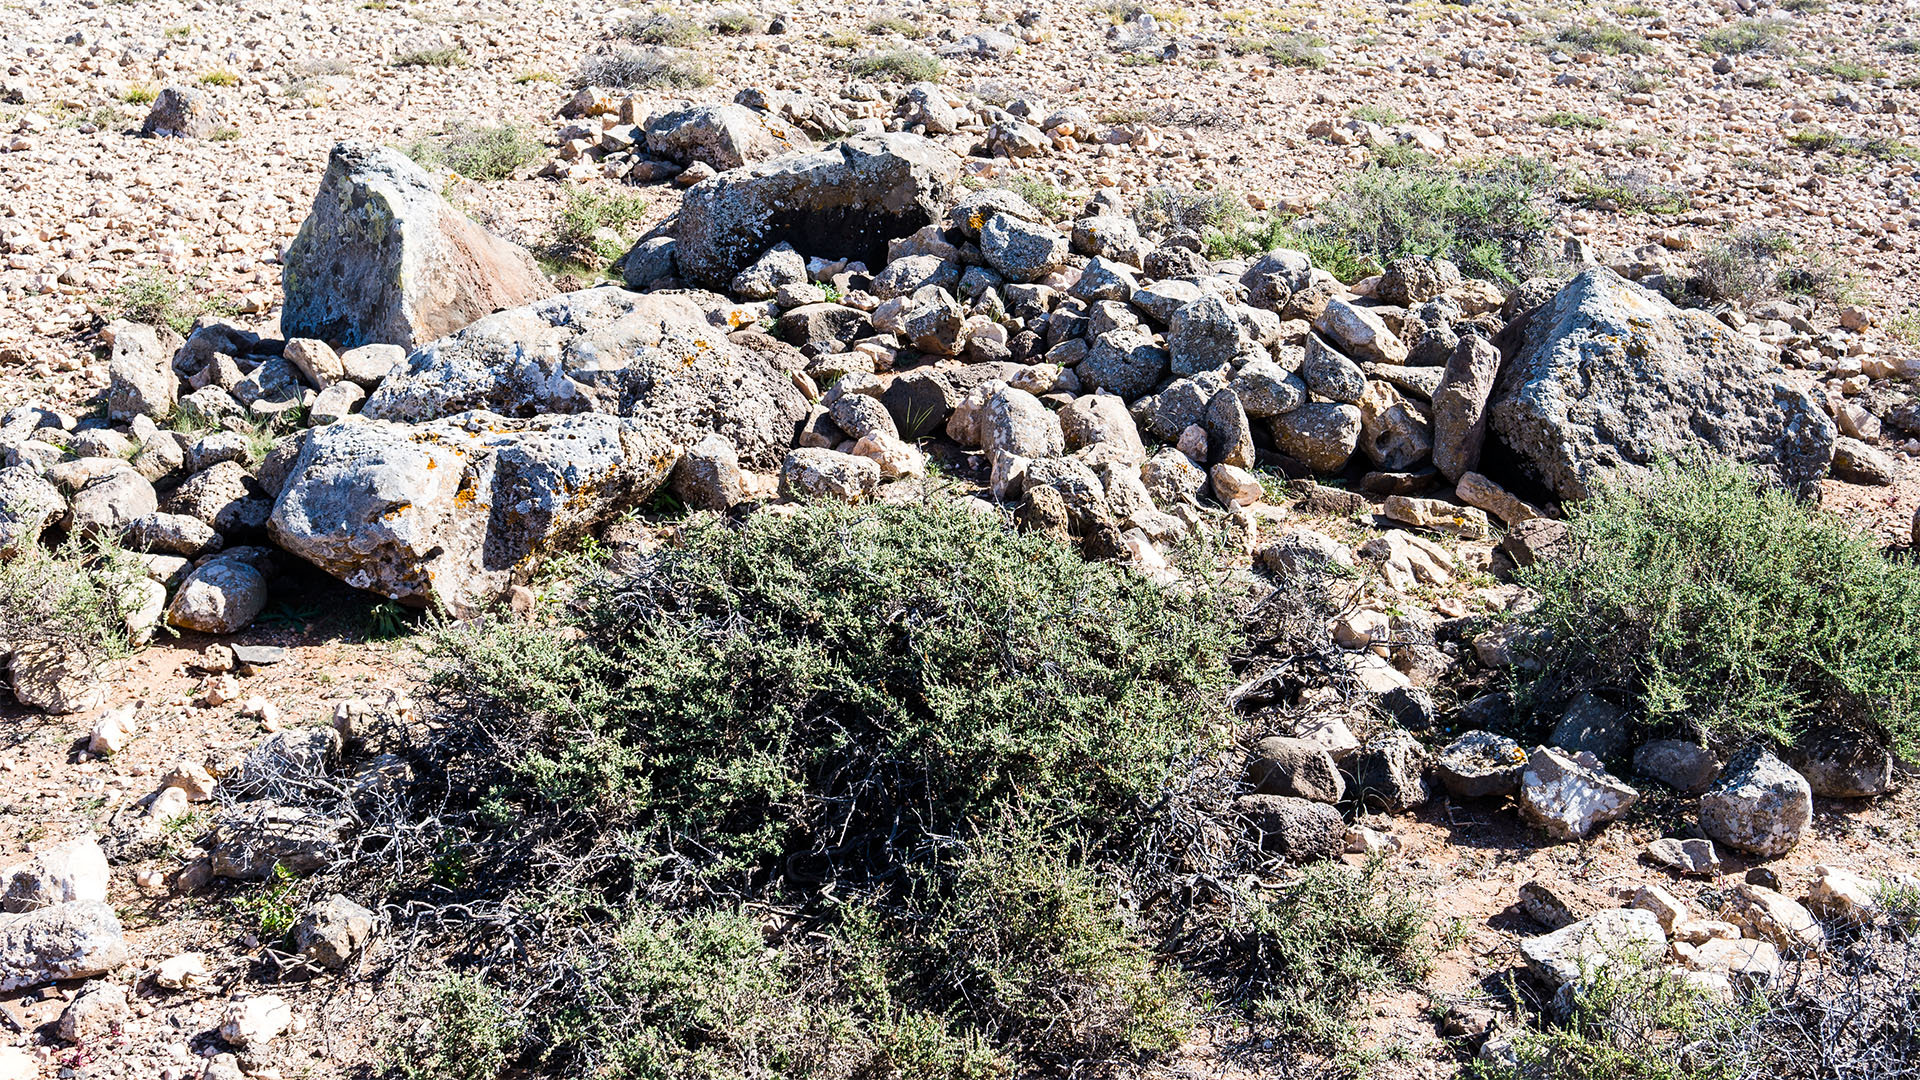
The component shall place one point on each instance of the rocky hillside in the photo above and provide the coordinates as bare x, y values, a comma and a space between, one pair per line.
968, 530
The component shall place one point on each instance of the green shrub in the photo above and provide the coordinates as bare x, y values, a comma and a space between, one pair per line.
1634, 1023
1399, 155
448, 56
673, 30
637, 69
139, 94
158, 297
897, 65
464, 1031
1605, 38
1731, 611
1488, 220
1042, 195
219, 77
1575, 121
479, 153
1751, 36
1851, 70
580, 228
73, 600
1630, 192
736, 23
894, 24
1286, 50
1743, 269
1377, 114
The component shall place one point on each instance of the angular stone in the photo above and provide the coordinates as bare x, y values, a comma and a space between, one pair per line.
1769, 916
1124, 362
1328, 373
1481, 764
80, 939
222, 596
1437, 515
1102, 420
383, 258
140, 377
1596, 726
1621, 936
1295, 768
1360, 332
1320, 435
818, 473
1568, 798
723, 136
1844, 763
1683, 766
1297, 829
333, 931
1388, 770
1693, 856
1759, 805
1395, 432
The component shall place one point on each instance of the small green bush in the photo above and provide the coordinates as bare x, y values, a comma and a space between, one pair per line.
1286, 50
1572, 121
71, 601
1742, 269
157, 297
448, 56
637, 69
1730, 610
479, 153
1042, 195
1751, 36
1399, 155
673, 30
1377, 114
1605, 38
1630, 192
1630, 1022
219, 77
1851, 70
1489, 220
139, 94
894, 24
736, 23
578, 236
462, 1030
898, 65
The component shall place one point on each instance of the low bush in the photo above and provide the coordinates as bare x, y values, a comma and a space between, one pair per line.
1730, 610
162, 298
1743, 269
897, 65
894, 24
219, 77
446, 56
581, 228
628, 68
139, 94
1286, 50
1751, 36
1605, 38
73, 601
673, 30
735, 23
1631, 192
478, 152
1574, 121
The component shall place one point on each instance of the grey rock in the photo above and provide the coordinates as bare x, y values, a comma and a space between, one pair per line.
1612, 377
1021, 250
221, 596
843, 202
1172, 480
110, 503
1388, 771
452, 511
212, 449
1102, 420
1204, 336
333, 931
1300, 830
1629, 936
1320, 435
369, 364
1481, 764
251, 839
1124, 362
1396, 432
383, 258
972, 210
1595, 725
1103, 279
1683, 766
1330, 374
905, 276
926, 104
1266, 389
1275, 276
1179, 405
1759, 804
824, 328
1857, 463
316, 361
654, 357
173, 534
934, 321
650, 263
1305, 554
723, 136
77, 940
779, 266
99, 443
335, 403
1415, 279
1160, 300
708, 477
813, 473
1015, 422
1460, 406
28, 504
96, 1014
1693, 856
1296, 768
181, 113
1229, 434
140, 376
1108, 237
225, 497
1360, 333
1570, 796
1843, 762
1409, 707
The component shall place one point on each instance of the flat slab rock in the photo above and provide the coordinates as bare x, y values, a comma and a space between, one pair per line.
1606, 937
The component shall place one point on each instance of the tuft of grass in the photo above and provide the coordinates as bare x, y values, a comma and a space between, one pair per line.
1399, 155
1628, 193
1286, 50
1747, 36
593, 228
1743, 269
1730, 610
69, 604
736, 23
139, 94
157, 297
534, 75
1575, 121
894, 24
1377, 114
897, 65
1606, 39
1850, 70
635, 68
219, 77
677, 31
480, 153
446, 56
223, 133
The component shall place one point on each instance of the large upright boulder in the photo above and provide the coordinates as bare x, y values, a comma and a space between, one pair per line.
383, 258
453, 512
844, 202
606, 350
1611, 376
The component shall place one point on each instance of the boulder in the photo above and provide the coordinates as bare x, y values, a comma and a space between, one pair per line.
1481, 764
1360, 333
1015, 422
814, 473
1621, 936
1759, 805
80, 939
1103, 420
61, 874
1595, 725
778, 267
1204, 336
1295, 768
1320, 435
1388, 770
1297, 829
1844, 762
221, 596
1328, 373
333, 931
656, 358
708, 477
1683, 766
1771, 917
383, 258
223, 497
1612, 377
1460, 406
28, 504
140, 377
453, 512
843, 202
180, 112
1124, 362
251, 839
108, 504
1571, 797
723, 136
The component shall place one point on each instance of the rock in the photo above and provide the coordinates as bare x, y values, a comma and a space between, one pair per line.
1320, 435
1569, 798
1266, 390
182, 113
1596, 726
368, 364
1857, 463
723, 136
1015, 422
1297, 829
1845, 897
1611, 376
1693, 856
934, 321
108, 504
1460, 406
1683, 766
450, 512
1557, 904
1669, 909
1101, 420
53, 682
28, 504
96, 1015
709, 477
1407, 560
776, 268
1109, 237
1360, 332
1844, 763
1161, 299
316, 361
905, 275
1767, 915
1229, 434
333, 931
1328, 373
1204, 336
1481, 493
1021, 250
1304, 553
173, 534
1759, 804
1235, 486
114, 729
182, 972
1753, 962
843, 202
1295, 768
225, 498
252, 838
252, 1023
1275, 277
1395, 432
1481, 764
824, 328
140, 378
1124, 362
1415, 279
813, 473
383, 258
335, 403
1172, 480
1535, 540
1387, 771
1621, 936
80, 939
1437, 515
64, 873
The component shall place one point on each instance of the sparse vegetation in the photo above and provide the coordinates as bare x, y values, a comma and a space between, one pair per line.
158, 297
1629, 192
676, 31
736, 22
1605, 38
219, 77
593, 228
1286, 50
1851, 70
894, 24
1743, 269
479, 153
139, 94
70, 602
447, 56
1751, 36
897, 65
1377, 114
636, 69
1575, 121
1730, 610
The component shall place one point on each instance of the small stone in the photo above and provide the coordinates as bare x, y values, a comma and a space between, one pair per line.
333, 931
1298, 829
1438, 516
1759, 805
1295, 768
1845, 897
254, 1022
1621, 936
1767, 915
182, 972
1683, 766
1570, 798
1388, 771
112, 731
1694, 856
1481, 764
1595, 725
96, 1014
